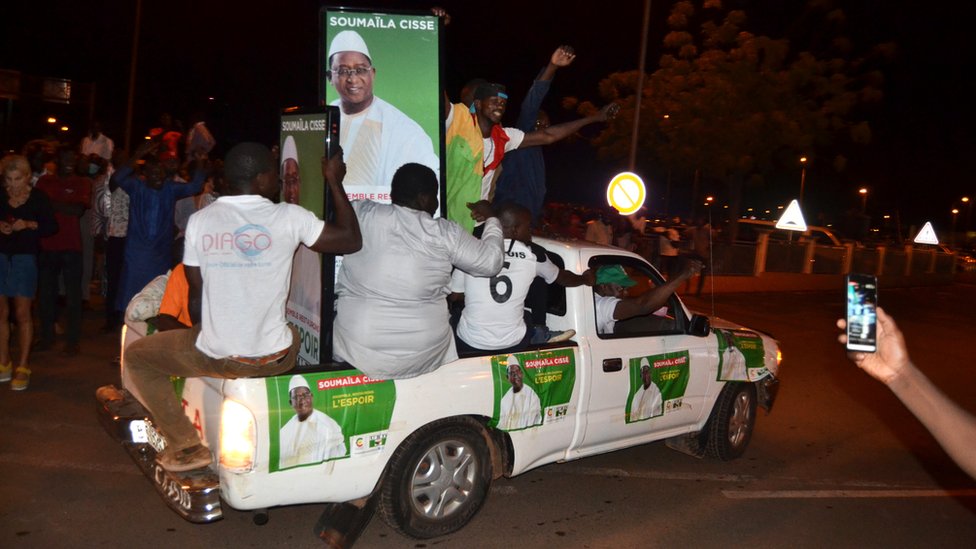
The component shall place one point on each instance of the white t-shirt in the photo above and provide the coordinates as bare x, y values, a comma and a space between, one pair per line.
244, 247
646, 403
391, 317
515, 137
605, 306
314, 440
734, 365
520, 410
493, 307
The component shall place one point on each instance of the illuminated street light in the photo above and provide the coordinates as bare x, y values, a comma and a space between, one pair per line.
803, 175
952, 235
52, 120
64, 128
969, 211
864, 199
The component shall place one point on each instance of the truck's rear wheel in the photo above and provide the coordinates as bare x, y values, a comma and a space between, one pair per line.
729, 429
437, 480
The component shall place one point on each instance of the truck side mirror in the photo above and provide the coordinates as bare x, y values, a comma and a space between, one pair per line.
699, 326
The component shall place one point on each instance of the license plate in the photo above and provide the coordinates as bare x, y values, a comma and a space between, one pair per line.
143, 432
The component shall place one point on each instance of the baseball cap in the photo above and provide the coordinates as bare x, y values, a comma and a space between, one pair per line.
490, 89
614, 274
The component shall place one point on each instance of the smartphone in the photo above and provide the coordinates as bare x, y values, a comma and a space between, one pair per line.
862, 317
332, 135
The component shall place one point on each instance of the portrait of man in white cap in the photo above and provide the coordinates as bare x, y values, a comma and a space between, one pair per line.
376, 138
291, 180
647, 401
520, 406
733, 363
310, 436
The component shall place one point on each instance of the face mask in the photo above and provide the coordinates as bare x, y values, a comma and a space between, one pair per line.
92, 169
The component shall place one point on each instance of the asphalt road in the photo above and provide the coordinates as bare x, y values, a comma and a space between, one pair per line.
838, 463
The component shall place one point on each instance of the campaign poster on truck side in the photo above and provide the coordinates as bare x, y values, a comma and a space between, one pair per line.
326, 415
740, 355
383, 71
532, 388
657, 385
302, 147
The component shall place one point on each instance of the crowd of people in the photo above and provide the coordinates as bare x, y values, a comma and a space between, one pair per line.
82, 216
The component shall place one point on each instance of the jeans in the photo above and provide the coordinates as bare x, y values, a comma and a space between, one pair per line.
51, 265
151, 361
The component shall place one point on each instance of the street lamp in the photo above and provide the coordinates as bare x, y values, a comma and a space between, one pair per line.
969, 211
803, 175
952, 235
863, 191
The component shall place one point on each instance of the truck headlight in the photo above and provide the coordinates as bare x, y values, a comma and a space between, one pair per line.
237, 437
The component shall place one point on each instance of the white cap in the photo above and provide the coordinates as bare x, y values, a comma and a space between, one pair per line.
296, 382
289, 150
348, 40
512, 361
645, 364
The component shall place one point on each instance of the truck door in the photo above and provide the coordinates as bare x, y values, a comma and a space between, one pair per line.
641, 372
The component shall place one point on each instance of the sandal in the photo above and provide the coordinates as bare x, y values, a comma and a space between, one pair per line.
21, 378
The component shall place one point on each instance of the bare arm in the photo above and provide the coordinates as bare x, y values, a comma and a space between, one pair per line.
569, 279
341, 235
562, 57
953, 427
655, 298
195, 280
561, 131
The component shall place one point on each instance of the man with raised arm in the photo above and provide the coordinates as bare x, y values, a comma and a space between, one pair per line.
238, 259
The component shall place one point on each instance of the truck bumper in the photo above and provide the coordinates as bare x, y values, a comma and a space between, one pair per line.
194, 495
766, 389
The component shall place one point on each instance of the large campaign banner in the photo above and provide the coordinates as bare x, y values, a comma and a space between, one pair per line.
657, 385
532, 388
383, 71
302, 146
325, 416
741, 355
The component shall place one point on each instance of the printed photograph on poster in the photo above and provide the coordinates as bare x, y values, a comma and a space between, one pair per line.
657, 385
532, 389
325, 416
301, 150
383, 72
740, 355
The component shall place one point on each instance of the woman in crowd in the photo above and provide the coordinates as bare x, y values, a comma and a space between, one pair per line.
25, 216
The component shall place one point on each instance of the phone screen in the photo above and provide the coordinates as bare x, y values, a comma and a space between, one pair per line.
862, 319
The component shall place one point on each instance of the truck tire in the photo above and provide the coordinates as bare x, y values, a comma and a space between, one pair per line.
729, 429
437, 479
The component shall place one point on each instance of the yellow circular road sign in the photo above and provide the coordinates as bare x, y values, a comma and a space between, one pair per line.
626, 193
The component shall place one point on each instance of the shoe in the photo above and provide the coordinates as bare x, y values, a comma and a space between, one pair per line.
6, 371
555, 337
70, 349
21, 379
187, 459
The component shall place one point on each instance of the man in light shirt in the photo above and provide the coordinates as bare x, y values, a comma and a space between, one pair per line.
647, 401
310, 436
520, 406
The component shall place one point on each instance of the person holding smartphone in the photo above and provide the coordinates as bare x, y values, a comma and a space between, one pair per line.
953, 427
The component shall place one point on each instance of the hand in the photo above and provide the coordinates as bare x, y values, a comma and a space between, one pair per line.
589, 277
334, 169
441, 12
5, 228
690, 268
563, 56
608, 112
18, 225
890, 359
481, 210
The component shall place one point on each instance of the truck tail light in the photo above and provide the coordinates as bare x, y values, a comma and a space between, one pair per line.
237, 437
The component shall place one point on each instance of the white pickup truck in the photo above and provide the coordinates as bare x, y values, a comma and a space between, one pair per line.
428, 448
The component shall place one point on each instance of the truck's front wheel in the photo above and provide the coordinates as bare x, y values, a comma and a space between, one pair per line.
437, 480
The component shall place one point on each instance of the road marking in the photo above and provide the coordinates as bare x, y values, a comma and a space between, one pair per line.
845, 494
32, 461
859, 489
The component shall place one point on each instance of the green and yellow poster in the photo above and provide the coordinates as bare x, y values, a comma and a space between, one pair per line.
657, 385
741, 355
532, 388
383, 72
325, 416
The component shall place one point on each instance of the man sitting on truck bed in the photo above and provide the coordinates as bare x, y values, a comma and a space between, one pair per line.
238, 259
392, 318
494, 316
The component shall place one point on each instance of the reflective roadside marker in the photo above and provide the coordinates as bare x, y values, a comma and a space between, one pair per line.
792, 218
927, 235
626, 193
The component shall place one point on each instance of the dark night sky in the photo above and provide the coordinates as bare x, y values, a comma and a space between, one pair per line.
255, 58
